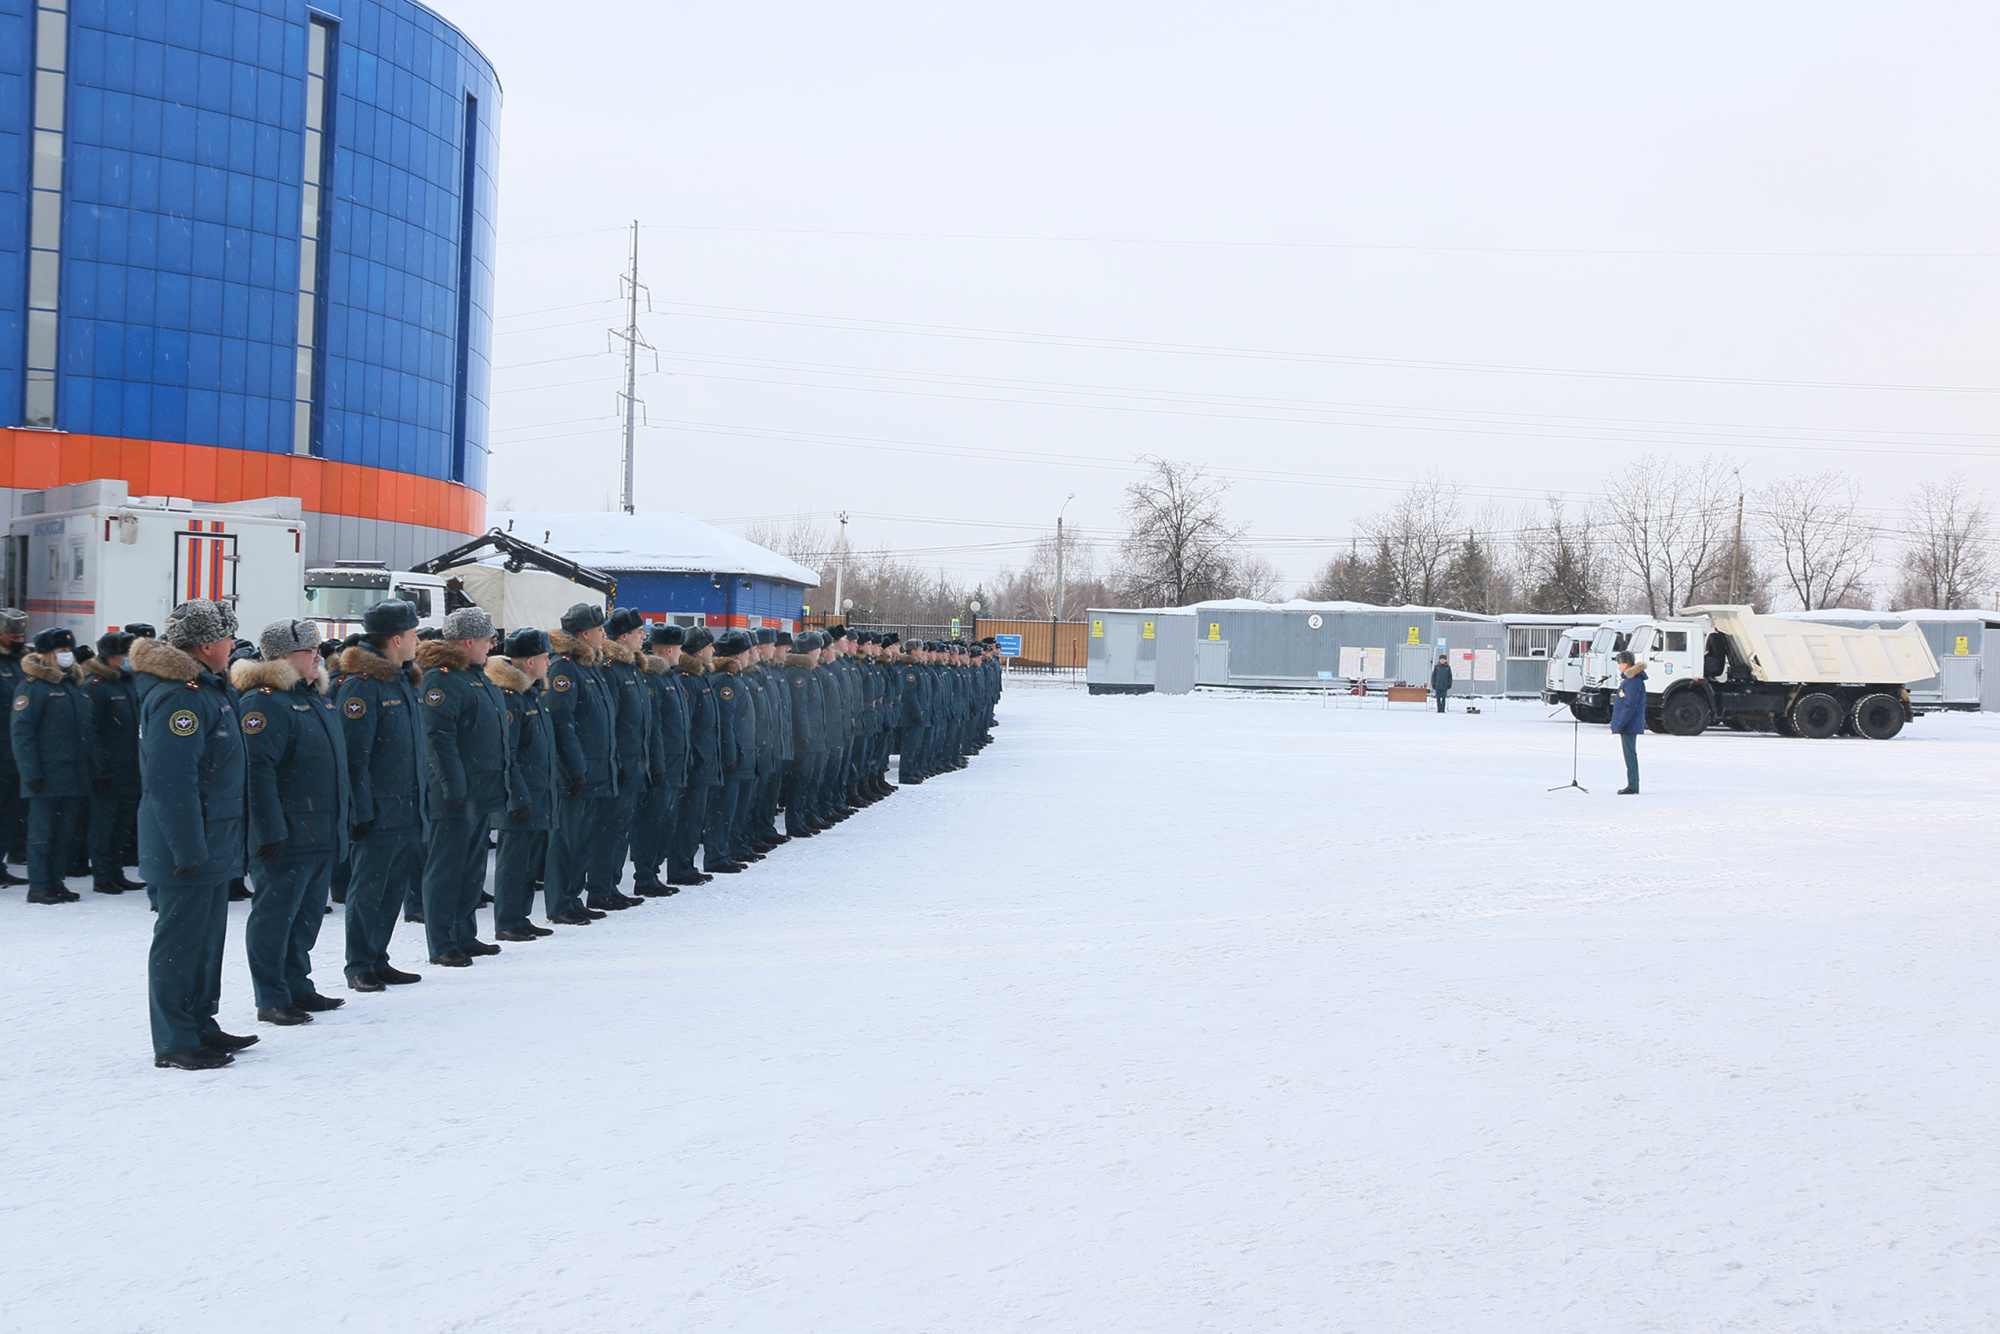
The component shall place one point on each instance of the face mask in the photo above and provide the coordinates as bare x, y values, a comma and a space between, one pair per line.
64, 658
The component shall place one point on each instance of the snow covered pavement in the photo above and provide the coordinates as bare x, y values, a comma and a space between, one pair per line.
1211, 1013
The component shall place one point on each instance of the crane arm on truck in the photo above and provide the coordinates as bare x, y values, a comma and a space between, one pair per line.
521, 555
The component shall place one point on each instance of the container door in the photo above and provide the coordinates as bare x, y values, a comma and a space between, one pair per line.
1211, 662
1414, 664
1959, 679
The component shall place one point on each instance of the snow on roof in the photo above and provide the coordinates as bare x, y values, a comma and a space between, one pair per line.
652, 540
1843, 615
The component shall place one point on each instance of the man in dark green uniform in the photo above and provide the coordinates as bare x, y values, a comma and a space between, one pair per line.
659, 807
296, 787
114, 775
468, 753
636, 751
583, 713
378, 707
13, 809
705, 773
191, 827
53, 744
532, 790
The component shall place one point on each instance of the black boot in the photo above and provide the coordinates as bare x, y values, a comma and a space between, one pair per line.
284, 1016
396, 977
366, 982
316, 1003
195, 1058
221, 1041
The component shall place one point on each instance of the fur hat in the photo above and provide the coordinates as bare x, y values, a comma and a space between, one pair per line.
391, 616
468, 623
583, 616
672, 636
783, 639
199, 621
698, 639
54, 638
526, 643
767, 636
620, 622
114, 642
282, 637
732, 643
136, 629
13, 621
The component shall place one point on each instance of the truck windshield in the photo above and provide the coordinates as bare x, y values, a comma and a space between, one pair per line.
341, 604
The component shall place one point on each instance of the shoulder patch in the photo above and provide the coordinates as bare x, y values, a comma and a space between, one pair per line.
911, 677
183, 722
800, 683
725, 692
434, 697
355, 706
263, 690
560, 683
253, 722
20, 703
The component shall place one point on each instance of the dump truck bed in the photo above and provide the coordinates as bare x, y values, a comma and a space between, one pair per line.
1778, 649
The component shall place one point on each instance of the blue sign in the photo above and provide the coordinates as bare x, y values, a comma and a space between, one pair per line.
1326, 676
1009, 645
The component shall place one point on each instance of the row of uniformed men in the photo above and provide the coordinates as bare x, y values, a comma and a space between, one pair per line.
579, 746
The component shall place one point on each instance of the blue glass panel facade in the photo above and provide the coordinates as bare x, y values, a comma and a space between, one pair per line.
182, 229
666, 594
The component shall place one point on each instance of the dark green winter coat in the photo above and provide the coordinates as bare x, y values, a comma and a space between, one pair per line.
191, 766
295, 752
54, 743
465, 735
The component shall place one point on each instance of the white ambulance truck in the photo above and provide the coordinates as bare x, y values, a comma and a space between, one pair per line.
89, 557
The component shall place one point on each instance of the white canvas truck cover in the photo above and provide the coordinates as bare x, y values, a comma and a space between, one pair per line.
524, 598
1786, 650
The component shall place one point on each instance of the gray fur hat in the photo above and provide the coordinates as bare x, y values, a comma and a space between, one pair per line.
13, 621
468, 623
282, 637
199, 621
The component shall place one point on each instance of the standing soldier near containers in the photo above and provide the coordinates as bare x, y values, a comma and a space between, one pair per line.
778, 693
467, 747
910, 717
54, 747
705, 772
378, 707
13, 808
583, 713
114, 780
636, 747
532, 791
757, 764
191, 827
296, 784
659, 808
801, 664
736, 751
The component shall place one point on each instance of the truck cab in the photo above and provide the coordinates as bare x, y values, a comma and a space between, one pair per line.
338, 597
1598, 671
1565, 674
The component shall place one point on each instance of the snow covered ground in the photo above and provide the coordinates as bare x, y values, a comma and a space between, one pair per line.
1211, 1013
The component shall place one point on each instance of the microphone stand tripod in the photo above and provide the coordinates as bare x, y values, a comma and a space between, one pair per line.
1575, 740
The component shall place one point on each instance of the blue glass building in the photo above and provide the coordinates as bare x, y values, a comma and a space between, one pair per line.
246, 249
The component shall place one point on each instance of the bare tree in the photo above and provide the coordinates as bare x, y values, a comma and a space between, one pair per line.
1668, 524
1352, 577
1562, 566
1821, 548
1180, 547
1419, 535
1257, 578
1947, 546
802, 538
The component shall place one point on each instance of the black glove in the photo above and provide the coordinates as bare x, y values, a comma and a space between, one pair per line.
186, 872
522, 816
33, 785
270, 852
357, 832
576, 785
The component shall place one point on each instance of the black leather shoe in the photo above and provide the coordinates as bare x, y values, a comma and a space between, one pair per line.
1628, 791
195, 1058
7, 877
416, 917
576, 918
485, 899
516, 935
452, 959
366, 982
317, 1004
68, 895
238, 891
691, 878
606, 905
105, 887
479, 949
594, 914
46, 896
724, 868
220, 1041
539, 931
284, 1016
396, 977
657, 890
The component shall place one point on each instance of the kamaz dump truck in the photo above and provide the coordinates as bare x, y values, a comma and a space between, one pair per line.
1766, 673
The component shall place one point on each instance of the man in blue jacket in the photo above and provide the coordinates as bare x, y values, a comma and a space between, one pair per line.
53, 747
114, 770
659, 808
532, 789
1441, 681
469, 754
636, 751
736, 719
191, 827
378, 707
297, 791
1628, 718
705, 772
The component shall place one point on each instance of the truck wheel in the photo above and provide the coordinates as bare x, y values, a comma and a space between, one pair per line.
1782, 725
1685, 713
1877, 717
1817, 715
1583, 713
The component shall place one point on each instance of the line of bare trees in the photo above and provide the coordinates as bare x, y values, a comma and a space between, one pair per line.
1663, 535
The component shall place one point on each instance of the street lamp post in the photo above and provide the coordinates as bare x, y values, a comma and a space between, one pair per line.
1055, 622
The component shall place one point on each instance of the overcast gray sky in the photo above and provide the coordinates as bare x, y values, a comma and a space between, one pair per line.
941, 268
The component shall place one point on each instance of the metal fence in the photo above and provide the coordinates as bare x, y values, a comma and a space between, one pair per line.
1053, 646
